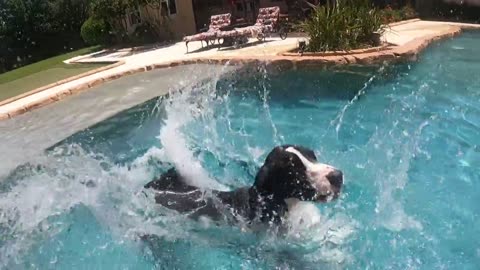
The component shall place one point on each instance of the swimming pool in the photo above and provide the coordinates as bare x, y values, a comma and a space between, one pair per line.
406, 137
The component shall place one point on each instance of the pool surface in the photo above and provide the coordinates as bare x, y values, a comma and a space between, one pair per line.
406, 137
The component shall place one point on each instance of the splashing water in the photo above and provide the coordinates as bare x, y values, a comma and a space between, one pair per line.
408, 147
339, 118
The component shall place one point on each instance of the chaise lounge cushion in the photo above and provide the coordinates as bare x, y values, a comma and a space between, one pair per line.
266, 21
216, 23
267, 18
201, 36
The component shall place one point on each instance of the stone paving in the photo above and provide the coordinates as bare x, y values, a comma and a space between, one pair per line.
406, 39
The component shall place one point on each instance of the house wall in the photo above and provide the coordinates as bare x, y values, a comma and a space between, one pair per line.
180, 24
183, 23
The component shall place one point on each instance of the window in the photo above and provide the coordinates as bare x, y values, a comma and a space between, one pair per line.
169, 7
134, 17
172, 6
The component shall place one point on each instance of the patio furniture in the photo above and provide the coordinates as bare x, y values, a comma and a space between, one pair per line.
268, 21
229, 39
216, 24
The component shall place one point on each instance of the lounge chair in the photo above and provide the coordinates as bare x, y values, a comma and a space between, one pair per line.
267, 22
216, 23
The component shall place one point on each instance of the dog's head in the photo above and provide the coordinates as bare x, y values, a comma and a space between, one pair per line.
293, 171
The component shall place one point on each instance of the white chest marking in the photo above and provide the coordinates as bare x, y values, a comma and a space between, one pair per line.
301, 215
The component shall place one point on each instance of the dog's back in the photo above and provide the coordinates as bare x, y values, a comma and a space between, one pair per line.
172, 192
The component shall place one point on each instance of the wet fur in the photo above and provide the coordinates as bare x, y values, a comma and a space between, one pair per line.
283, 176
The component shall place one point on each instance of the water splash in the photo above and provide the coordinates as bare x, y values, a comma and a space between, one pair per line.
278, 138
64, 179
324, 235
35, 200
183, 107
339, 118
392, 176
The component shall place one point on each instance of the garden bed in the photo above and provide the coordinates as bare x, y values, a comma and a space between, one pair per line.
296, 52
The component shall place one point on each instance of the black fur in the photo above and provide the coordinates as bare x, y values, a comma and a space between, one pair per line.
282, 176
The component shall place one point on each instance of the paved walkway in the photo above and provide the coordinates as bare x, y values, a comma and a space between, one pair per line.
404, 33
399, 35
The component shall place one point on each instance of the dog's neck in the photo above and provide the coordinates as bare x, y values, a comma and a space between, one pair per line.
266, 207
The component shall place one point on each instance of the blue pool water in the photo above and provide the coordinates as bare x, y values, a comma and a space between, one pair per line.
406, 137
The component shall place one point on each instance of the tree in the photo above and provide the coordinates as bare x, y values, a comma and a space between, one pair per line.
115, 12
112, 11
69, 14
155, 15
31, 30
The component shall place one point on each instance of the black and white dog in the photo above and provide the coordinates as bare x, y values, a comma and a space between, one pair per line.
290, 174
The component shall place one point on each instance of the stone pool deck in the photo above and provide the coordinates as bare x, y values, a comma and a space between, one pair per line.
405, 40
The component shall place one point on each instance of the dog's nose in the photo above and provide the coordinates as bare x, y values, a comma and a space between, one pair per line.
335, 178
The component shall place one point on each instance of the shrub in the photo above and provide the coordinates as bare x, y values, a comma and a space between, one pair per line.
143, 34
345, 26
370, 21
408, 12
390, 15
95, 31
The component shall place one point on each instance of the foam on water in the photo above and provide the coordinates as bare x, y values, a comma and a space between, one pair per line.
69, 178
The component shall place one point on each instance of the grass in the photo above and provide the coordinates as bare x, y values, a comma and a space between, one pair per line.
45, 72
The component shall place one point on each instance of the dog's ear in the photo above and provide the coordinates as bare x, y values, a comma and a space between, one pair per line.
281, 165
263, 179
276, 154
276, 166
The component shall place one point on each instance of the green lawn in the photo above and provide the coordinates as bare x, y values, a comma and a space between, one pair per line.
48, 71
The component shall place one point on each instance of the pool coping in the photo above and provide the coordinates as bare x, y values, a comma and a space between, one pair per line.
391, 53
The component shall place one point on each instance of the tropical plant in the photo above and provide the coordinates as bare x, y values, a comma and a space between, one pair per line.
342, 25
